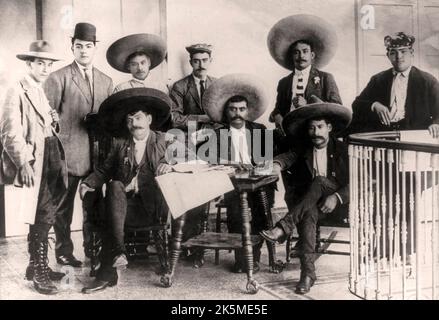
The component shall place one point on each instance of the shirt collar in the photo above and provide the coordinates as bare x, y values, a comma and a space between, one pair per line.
241, 131
140, 81
81, 67
197, 80
321, 150
405, 73
141, 141
305, 71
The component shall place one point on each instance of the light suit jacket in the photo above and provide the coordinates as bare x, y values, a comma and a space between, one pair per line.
23, 118
69, 94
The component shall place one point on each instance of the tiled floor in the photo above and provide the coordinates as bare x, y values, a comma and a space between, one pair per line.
212, 281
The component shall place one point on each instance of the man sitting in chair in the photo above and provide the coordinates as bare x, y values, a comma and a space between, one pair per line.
237, 100
321, 177
136, 158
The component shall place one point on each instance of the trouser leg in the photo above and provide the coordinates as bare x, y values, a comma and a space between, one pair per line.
116, 204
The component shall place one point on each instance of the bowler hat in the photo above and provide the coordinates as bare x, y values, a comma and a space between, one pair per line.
114, 109
239, 84
38, 49
307, 27
294, 123
85, 31
151, 45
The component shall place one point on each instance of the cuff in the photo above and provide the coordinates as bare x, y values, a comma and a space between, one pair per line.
339, 197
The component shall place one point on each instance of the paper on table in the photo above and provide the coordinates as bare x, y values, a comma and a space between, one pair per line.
185, 191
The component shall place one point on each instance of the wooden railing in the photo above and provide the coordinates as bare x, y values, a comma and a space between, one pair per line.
394, 213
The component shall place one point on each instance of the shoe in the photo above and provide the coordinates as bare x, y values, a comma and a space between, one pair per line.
237, 268
53, 275
198, 262
98, 285
304, 285
272, 235
120, 261
69, 260
295, 252
42, 283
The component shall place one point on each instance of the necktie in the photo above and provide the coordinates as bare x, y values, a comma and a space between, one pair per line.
202, 88
88, 77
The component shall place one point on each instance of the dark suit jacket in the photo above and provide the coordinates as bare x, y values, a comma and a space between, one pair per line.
186, 101
325, 88
255, 145
421, 106
299, 162
69, 94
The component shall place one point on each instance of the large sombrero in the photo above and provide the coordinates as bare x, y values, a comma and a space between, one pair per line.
302, 27
113, 111
246, 85
152, 45
39, 49
294, 123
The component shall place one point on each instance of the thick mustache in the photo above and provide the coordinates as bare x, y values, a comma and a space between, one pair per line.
237, 117
135, 128
317, 137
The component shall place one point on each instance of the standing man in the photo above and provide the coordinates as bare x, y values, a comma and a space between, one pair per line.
187, 93
400, 98
136, 158
137, 54
302, 43
237, 100
321, 178
76, 92
188, 110
33, 159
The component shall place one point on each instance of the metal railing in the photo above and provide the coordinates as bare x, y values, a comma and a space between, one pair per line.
394, 213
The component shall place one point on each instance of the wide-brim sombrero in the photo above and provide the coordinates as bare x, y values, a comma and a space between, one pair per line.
113, 111
302, 27
152, 45
294, 123
239, 84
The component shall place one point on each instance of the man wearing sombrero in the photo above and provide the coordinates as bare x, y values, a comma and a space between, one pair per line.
237, 100
137, 54
33, 159
400, 98
129, 171
302, 43
76, 91
320, 178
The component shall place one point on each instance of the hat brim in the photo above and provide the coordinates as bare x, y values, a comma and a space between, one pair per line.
113, 111
152, 45
302, 27
294, 123
40, 55
221, 90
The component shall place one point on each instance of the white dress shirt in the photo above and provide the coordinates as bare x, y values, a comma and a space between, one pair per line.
398, 95
305, 76
240, 146
139, 151
320, 162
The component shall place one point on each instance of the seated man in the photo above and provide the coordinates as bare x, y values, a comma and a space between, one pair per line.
236, 101
137, 157
321, 178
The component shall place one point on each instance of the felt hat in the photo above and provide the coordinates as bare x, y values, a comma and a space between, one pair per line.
307, 27
85, 31
151, 45
38, 49
246, 85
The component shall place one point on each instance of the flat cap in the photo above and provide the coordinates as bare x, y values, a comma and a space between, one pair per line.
199, 47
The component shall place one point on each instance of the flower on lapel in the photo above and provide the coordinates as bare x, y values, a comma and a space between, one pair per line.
316, 80
125, 161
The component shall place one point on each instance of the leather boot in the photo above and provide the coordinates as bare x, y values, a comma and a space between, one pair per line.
30, 269
41, 279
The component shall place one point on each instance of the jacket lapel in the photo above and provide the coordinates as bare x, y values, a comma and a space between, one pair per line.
411, 89
193, 90
79, 80
309, 159
313, 88
388, 86
32, 97
330, 152
289, 90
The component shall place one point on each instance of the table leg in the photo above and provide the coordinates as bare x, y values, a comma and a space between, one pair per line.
166, 279
252, 285
276, 266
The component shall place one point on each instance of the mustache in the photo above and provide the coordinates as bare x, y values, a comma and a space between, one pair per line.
237, 117
317, 137
199, 69
137, 127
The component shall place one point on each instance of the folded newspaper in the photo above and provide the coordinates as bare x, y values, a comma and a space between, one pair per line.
191, 185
